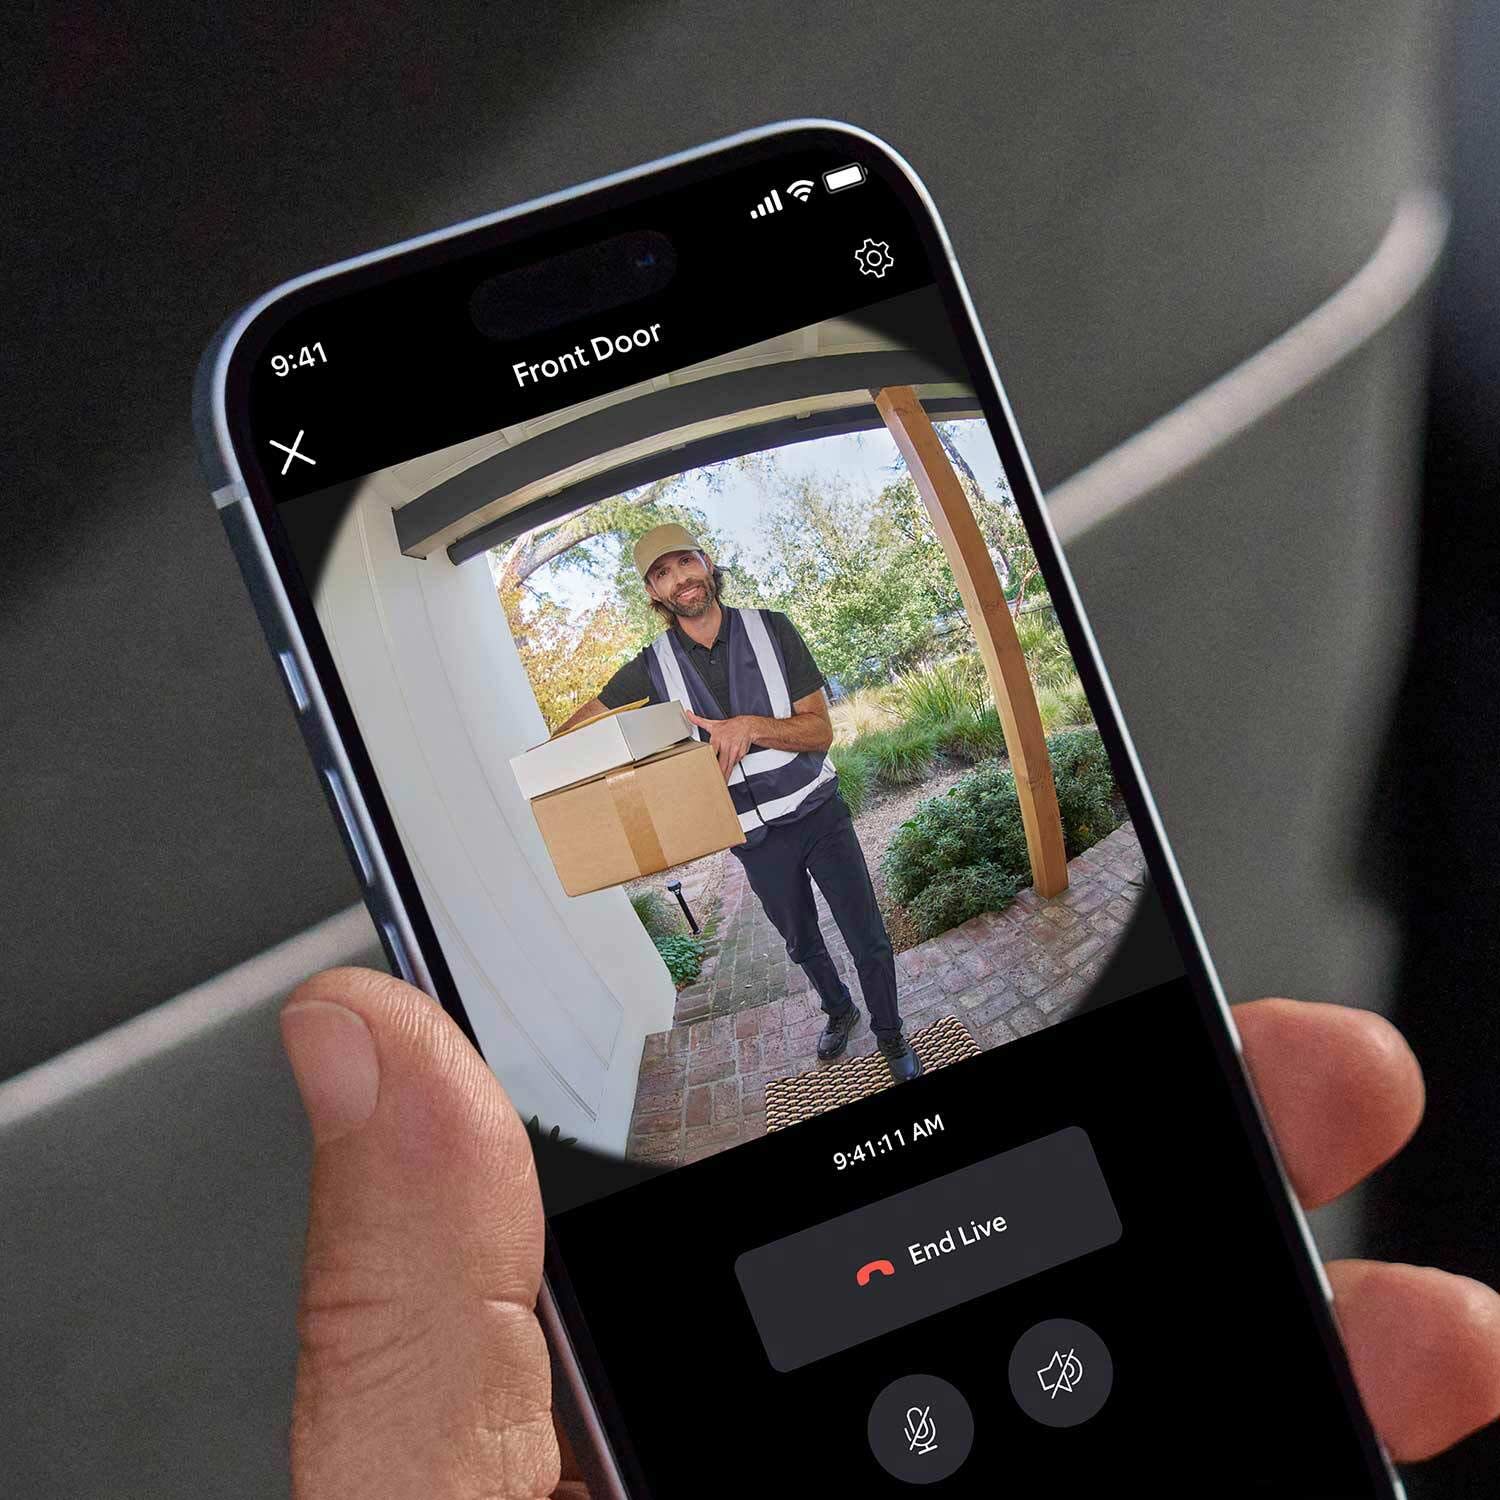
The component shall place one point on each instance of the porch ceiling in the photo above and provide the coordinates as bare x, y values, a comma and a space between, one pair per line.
812, 382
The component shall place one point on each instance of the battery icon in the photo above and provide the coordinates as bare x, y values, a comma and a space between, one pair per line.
844, 177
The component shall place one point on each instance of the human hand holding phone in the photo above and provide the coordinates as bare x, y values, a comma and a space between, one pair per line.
423, 1370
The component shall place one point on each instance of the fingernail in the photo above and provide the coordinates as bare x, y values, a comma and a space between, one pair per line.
337, 1070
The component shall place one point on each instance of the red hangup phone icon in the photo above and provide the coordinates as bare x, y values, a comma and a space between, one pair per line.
865, 1272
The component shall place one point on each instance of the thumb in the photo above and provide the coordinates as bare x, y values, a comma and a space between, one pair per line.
422, 1370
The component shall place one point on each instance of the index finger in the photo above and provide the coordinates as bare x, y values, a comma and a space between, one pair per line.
1341, 1090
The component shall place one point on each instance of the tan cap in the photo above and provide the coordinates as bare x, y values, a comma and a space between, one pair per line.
659, 541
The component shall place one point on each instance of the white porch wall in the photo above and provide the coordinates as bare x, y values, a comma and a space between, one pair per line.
561, 990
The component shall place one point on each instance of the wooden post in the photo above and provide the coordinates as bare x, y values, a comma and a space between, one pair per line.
994, 630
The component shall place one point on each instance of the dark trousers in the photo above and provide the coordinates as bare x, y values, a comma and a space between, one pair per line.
823, 845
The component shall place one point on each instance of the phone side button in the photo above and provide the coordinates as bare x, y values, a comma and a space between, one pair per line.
295, 685
398, 951
346, 812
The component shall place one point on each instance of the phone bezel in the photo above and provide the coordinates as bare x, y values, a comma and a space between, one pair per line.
222, 419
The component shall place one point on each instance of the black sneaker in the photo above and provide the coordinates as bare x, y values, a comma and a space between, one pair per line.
900, 1058
836, 1033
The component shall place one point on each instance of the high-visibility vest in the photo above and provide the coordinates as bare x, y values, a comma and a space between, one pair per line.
768, 786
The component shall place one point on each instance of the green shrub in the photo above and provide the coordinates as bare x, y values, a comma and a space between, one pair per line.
1052, 708
977, 821
942, 693
1076, 711
1063, 705
973, 736
899, 756
976, 826
657, 917
1076, 703
855, 775
683, 956
1085, 787
960, 894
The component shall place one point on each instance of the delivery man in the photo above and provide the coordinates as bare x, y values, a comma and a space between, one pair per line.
748, 683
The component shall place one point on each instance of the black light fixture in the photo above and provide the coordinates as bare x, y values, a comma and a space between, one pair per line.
675, 886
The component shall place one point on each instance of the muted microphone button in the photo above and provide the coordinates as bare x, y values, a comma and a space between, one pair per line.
920, 1429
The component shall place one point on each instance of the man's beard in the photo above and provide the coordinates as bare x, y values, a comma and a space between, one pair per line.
699, 605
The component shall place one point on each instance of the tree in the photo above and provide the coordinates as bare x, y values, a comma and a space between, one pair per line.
1000, 523
628, 515
865, 582
598, 543
569, 658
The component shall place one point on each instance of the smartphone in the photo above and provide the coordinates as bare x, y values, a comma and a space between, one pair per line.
890, 1119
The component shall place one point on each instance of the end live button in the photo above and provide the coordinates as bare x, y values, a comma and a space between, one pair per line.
932, 1247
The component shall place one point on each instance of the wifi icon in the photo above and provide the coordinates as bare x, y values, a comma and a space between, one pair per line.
801, 190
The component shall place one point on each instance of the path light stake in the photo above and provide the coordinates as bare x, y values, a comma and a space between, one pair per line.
675, 886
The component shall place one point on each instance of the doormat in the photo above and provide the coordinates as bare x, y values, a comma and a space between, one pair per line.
791, 1100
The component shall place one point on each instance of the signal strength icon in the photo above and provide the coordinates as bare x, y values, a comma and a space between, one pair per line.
801, 190
770, 204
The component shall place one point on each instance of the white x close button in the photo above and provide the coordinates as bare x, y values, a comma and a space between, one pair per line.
294, 451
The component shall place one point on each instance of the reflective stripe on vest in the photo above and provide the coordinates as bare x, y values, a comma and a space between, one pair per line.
768, 785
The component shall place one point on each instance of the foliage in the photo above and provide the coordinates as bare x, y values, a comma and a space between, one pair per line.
598, 541
657, 917
976, 821
861, 712
569, 658
1079, 710
902, 755
1046, 651
960, 894
942, 692
855, 775
1085, 787
972, 736
683, 956
952, 700
865, 582
976, 826
1001, 525
1064, 706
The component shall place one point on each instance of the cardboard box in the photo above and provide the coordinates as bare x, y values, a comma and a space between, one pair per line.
601, 744
638, 819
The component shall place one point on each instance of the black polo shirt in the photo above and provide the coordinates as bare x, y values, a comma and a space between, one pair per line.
633, 682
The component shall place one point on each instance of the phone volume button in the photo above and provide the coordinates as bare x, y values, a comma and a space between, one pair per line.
295, 685
398, 952
346, 812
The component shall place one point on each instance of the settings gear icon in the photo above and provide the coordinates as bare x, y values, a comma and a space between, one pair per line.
874, 257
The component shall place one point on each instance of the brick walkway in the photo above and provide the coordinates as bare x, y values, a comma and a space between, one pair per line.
1003, 974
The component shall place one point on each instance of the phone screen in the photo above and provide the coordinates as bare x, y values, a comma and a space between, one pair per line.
888, 1129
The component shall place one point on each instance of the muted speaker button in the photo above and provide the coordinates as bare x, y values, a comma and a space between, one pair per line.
1061, 1373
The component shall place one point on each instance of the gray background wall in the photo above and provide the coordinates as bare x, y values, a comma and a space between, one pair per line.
1141, 195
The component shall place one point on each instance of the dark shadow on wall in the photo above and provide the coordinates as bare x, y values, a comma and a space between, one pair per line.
1436, 855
